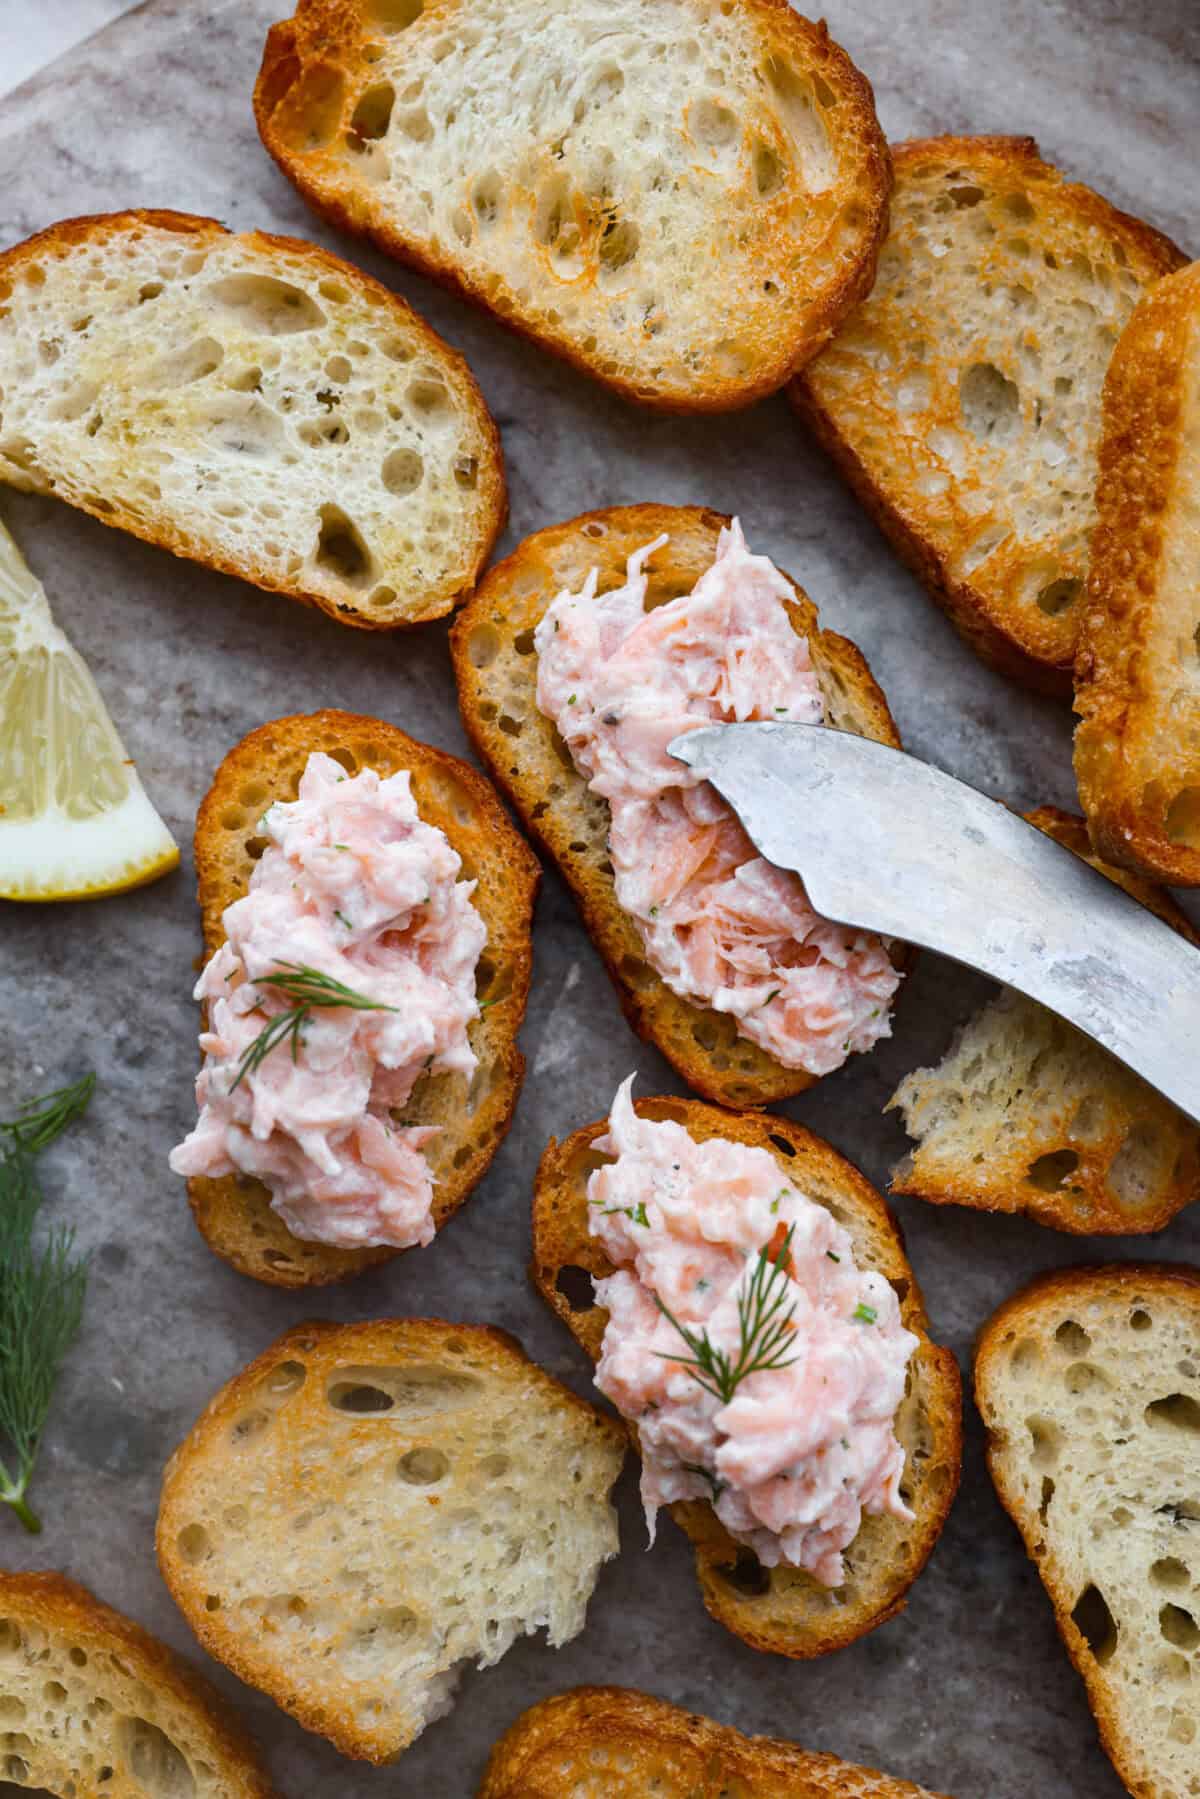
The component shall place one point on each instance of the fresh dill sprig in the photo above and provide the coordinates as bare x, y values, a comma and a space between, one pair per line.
40, 1122
766, 1328
308, 990
41, 1294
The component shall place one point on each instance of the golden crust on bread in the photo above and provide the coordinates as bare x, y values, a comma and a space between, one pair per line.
93, 1691
688, 238
496, 669
253, 403
1088, 1394
366, 1508
563, 1747
780, 1609
961, 399
473, 1117
1025, 1114
1137, 748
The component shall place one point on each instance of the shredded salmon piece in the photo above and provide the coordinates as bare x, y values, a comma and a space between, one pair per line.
802, 1450
722, 926
354, 884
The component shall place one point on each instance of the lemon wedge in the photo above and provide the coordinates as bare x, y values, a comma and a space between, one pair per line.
75, 821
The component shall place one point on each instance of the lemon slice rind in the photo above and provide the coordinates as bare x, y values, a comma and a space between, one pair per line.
104, 837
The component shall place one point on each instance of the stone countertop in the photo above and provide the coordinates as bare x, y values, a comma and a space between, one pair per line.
969, 1690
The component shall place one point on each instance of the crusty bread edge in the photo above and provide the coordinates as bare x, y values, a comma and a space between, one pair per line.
1049, 1211
342, 1264
358, 1340
1068, 1286
76, 230
281, 49
1144, 425
968, 608
64, 1606
713, 1547
828, 649
627, 1718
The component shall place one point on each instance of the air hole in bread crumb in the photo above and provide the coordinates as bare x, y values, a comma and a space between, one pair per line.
154, 1761
394, 15
1073, 1338
249, 1426
1095, 1623
340, 549
466, 472
429, 399
1178, 1410
1059, 595
782, 1145
1140, 1321
768, 170
1170, 1572
1046, 1440
619, 245
487, 198
402, 472
285, 1379
1049, 1172
746, 1575
1182, 821
194, 1543
267, 305
990, 403
373, 113
576, 1287
1178, 1626
359, 1399
422, 1467
307, 111
414, 123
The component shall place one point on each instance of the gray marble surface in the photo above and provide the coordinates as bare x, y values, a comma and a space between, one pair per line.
968, 1691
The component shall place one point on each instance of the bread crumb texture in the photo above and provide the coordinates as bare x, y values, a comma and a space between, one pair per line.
612, 1743
962, 398
91, 1704
1026, 1114
495, 665
780, 1609
1137, 750
252, 402
1089, 1386
367, 1508
473, 1114
682, 197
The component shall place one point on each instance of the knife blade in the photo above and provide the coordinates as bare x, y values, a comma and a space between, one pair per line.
889, 844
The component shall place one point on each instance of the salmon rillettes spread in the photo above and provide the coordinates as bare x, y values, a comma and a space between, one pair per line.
354, 887
762, 1368
722, 926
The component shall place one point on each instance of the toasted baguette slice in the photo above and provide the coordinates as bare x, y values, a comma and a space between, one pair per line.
1088, 1388
962, 399
779, 1609
93, 1704
233, 1212
1137, 749
368, 1507
1026, 1114
251, 402
626, 1744
496, 668
680, 201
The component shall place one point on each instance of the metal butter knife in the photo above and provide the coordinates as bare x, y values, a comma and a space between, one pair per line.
888, 844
